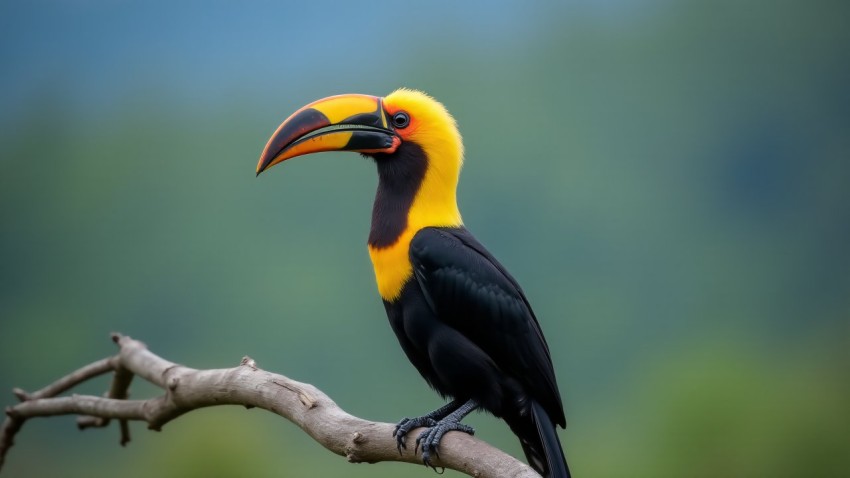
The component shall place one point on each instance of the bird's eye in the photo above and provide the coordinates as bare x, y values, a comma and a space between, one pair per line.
401, 120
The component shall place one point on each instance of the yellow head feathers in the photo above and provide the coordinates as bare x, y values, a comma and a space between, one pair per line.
431, 126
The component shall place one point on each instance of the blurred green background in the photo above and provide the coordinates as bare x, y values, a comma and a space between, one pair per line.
668, 180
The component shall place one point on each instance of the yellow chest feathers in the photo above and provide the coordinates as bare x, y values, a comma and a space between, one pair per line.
392, 263
392, 266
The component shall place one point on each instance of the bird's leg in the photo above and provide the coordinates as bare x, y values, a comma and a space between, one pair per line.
427, 420
430, 438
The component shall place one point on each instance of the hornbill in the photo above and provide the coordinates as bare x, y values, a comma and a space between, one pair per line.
460, 317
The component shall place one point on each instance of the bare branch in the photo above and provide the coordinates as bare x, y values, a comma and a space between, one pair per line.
188, 389
71, 380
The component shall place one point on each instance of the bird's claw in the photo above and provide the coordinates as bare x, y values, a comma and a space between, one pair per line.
405, 425
430, 439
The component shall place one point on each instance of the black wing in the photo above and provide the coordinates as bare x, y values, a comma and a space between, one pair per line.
471, 292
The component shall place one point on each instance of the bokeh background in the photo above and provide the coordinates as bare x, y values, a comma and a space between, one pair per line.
668, 180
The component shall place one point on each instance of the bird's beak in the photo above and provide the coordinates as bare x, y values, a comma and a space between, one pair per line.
337, 123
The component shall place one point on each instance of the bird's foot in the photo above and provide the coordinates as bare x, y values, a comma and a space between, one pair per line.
430, 438
407, 424
429, 420
440, 421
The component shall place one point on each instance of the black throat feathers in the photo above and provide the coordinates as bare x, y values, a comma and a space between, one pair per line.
400, 175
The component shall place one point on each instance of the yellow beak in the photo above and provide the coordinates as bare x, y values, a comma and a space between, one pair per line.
337, 123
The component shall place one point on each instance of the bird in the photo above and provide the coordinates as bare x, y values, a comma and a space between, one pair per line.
460, 317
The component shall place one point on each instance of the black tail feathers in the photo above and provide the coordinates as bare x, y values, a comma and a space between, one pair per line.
540, 442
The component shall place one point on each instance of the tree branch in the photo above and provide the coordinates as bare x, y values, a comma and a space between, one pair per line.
188, 389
